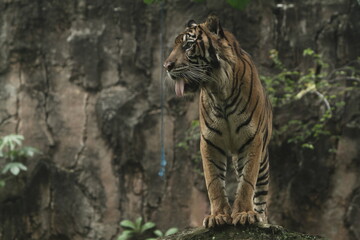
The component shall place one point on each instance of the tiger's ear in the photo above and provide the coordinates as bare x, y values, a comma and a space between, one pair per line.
213, 24
191, 23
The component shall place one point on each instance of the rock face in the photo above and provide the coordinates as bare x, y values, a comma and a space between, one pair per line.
81, 81
240, 233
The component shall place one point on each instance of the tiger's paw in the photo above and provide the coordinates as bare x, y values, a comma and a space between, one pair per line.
241, 218
217, 220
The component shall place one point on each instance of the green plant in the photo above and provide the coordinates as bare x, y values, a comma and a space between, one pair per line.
11, 153
134, 229
138, 230
159, 233
288, 86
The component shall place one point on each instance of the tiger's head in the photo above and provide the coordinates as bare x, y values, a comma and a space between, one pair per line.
196, 55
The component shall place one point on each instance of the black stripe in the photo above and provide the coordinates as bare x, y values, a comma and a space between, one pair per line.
235, 108
249, 140
234, 100
247, 181
236, 80
264, 159
211, 97
212, 180
251, 89
218, 109
234, 86
201, 58
262, 168
237, 105
261, 193
259, 203
220, 150
265, 139
205, 109
238, 95
211, 128
266, 182
218, 112
246, 143
262, 183
218, 115
248, 120
220, 175
217, 166
212, 53
264, 164
211, 50
242, 167
239, 159
266, 175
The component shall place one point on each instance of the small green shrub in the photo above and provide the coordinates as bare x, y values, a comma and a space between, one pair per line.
11, 154
137, 230
287, 86
159, 233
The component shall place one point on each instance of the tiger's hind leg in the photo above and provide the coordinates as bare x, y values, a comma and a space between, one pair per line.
262, 188
247, 168
214, 163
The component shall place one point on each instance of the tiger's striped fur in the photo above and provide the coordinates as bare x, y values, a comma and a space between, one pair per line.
235, 118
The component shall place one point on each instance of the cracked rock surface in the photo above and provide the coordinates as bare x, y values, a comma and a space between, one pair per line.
81, 81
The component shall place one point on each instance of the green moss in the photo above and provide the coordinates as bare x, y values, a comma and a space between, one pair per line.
268, 232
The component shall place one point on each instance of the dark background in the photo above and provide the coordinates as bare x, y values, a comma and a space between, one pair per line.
81, 81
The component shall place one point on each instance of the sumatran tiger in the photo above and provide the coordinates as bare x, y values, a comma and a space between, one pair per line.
235, 118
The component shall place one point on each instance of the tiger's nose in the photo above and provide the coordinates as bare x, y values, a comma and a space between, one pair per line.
168, 65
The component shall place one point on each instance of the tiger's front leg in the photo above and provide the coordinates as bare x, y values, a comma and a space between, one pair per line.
214, 164
247, 170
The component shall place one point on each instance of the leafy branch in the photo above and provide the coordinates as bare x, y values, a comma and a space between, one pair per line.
288, 86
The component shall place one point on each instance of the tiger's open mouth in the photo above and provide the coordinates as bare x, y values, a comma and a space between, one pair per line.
184, 85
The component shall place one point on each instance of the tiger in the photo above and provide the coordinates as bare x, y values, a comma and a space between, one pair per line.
235, 118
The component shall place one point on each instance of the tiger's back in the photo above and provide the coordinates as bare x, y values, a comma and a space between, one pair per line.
235, 118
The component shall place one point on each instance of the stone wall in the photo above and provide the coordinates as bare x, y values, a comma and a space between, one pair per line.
81, 81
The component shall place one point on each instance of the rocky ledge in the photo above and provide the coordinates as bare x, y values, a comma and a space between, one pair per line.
263, 232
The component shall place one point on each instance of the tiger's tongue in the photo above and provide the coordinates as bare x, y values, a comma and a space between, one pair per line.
179, 88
